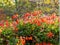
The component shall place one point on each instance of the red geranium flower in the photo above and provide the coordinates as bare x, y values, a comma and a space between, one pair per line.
49, 44
26, 15
50, 34
36, 21
28, 38
40, 11
44, 43
15, 16
7, 23
43, 19
50, 22
41, 43
30, 21
22, 40
53, 16
1, 24
37, 43
35, 13
48, 17
14, 24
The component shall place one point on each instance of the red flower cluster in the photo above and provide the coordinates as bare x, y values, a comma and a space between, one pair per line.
33, 18
28, 38
23, 39
36, 21
2, 23
26, 15
15, 16
35, 13
50, 34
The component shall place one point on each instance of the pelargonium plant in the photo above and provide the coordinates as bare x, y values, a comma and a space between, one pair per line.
43, 29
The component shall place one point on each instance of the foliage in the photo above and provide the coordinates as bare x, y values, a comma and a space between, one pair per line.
21, 6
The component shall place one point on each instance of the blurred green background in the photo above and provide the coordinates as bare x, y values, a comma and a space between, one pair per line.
9, 7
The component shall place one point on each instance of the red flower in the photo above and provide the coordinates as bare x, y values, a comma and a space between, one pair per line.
48, 17
15, 16
26, 15
41, 43
29, 21
26, 38
50, 22
40, 11
50, 34
35, 13
36, 21
30, 38
44, 43
22, 40
7, 23
14, 24
53, 16
43, 19
1, 24
49, 44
